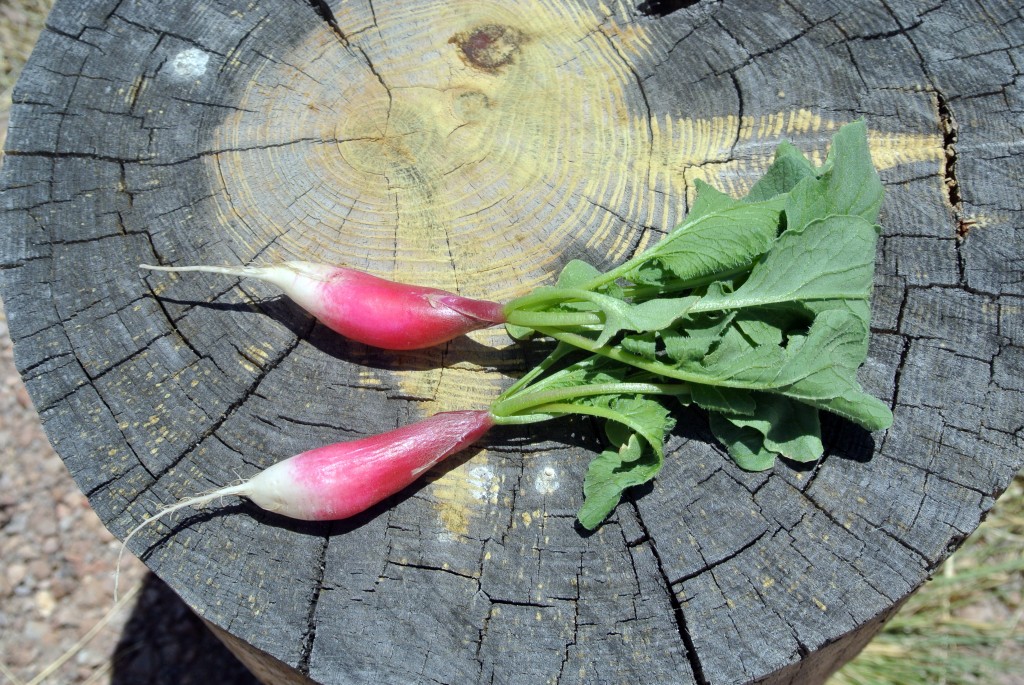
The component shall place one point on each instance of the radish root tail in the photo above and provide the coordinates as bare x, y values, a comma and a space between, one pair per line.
198, 501
241, 271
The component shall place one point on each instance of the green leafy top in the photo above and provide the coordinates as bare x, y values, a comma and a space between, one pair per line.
754, 309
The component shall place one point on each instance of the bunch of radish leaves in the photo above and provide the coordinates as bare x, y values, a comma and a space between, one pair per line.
755, 309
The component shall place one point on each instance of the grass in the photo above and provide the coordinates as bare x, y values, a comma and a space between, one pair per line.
20, 24
963, 627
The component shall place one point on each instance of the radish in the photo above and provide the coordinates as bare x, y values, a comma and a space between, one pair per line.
368, 309
340, 480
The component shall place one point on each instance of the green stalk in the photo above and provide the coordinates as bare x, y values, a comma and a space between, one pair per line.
540, 296
543, 296
560, 351
529, 400
555, 409
522, 419
620, 355
736, 303
518, 317
644, 292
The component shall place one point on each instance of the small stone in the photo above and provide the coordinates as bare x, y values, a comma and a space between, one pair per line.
87, 657
21, 394
22, 656
17, 524
36, 630
40, 568
45, 603
45, 526
16, 573
50, 545
62, 586
26, 435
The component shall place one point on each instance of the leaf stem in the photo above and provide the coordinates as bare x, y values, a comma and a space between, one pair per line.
522, 419
555, 409
636, 361
529, 319
530, 400
546, 295
556, 354
540, 296
644, 292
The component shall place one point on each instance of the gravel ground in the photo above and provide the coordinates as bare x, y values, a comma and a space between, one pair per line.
58, 620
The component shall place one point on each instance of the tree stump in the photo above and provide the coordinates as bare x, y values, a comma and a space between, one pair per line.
478, 146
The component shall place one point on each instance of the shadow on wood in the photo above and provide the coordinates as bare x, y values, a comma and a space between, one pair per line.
165, 643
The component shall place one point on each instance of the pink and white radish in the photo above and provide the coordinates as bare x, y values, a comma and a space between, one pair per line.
338, 481
366, 308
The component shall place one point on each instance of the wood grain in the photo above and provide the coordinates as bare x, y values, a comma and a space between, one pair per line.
478, 146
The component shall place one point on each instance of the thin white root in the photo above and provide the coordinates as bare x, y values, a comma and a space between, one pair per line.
198, 501
241, 271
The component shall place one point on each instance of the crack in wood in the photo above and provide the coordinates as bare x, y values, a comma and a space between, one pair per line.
44, 409
753, 56
663, 8
904, 352
163, 34
100, 487
712, 565
309, 638
576, 619
929, 564
740, 115
900, 30
210, 432
950, 136
449, 571
324, 11
167, 315
26, 372
124, 437
519, 603
52, 154
315, 140
206, 103
677, 608
334, 428
133, 356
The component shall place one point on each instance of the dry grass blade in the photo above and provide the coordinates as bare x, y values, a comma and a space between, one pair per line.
965, 625
11, 678
85, 639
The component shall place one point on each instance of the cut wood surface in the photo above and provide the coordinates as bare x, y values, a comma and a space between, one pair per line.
477, 147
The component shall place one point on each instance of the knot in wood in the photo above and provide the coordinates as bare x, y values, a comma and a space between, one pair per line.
491, 46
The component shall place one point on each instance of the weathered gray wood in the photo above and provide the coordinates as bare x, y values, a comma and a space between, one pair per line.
478, 146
